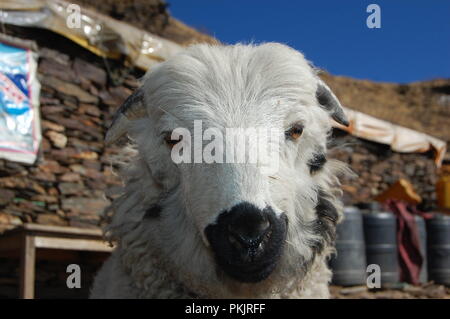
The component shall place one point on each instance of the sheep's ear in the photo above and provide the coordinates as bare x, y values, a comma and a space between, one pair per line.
328, 101
132, 109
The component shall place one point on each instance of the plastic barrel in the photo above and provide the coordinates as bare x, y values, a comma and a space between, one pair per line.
349, 265
381, 244
423, 277
438, 239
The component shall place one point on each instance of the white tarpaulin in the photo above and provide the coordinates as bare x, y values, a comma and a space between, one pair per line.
96, 32
401, 139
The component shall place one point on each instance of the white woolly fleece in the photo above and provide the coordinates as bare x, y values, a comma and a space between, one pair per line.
268, 85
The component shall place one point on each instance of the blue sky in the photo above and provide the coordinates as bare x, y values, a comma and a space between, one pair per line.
413, 43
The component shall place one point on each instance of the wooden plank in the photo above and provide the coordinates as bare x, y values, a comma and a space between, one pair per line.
27, 267
30, 227
72, 244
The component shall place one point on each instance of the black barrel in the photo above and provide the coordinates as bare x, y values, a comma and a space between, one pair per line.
349, 265
423, 278
381, 244
438, 240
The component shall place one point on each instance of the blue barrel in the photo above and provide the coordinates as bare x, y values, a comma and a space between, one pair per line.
349, 265
381, 244
423, 277
438, 240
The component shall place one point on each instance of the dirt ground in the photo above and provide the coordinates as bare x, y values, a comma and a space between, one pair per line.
402, 291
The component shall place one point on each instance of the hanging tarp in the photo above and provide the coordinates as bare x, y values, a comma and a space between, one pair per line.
400, 139
96, 32
20, 132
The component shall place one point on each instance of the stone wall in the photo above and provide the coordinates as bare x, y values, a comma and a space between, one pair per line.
378, 167
79, 94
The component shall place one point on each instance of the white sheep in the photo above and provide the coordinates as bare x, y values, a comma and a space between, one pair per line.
225, 230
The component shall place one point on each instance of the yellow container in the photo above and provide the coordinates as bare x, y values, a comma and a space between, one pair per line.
443, 192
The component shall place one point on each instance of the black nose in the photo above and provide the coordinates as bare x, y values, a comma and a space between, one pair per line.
247, 242
247, 227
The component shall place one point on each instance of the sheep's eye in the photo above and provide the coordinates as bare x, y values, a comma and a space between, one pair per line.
169, 141
294, 132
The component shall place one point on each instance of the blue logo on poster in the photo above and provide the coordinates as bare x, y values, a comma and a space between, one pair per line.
14, 95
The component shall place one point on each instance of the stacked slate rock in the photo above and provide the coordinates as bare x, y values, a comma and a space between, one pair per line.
66, 185
378, 168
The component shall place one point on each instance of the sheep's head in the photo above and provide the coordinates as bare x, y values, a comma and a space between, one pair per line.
234, 222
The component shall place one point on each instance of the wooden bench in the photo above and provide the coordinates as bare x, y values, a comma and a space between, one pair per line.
24, 241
